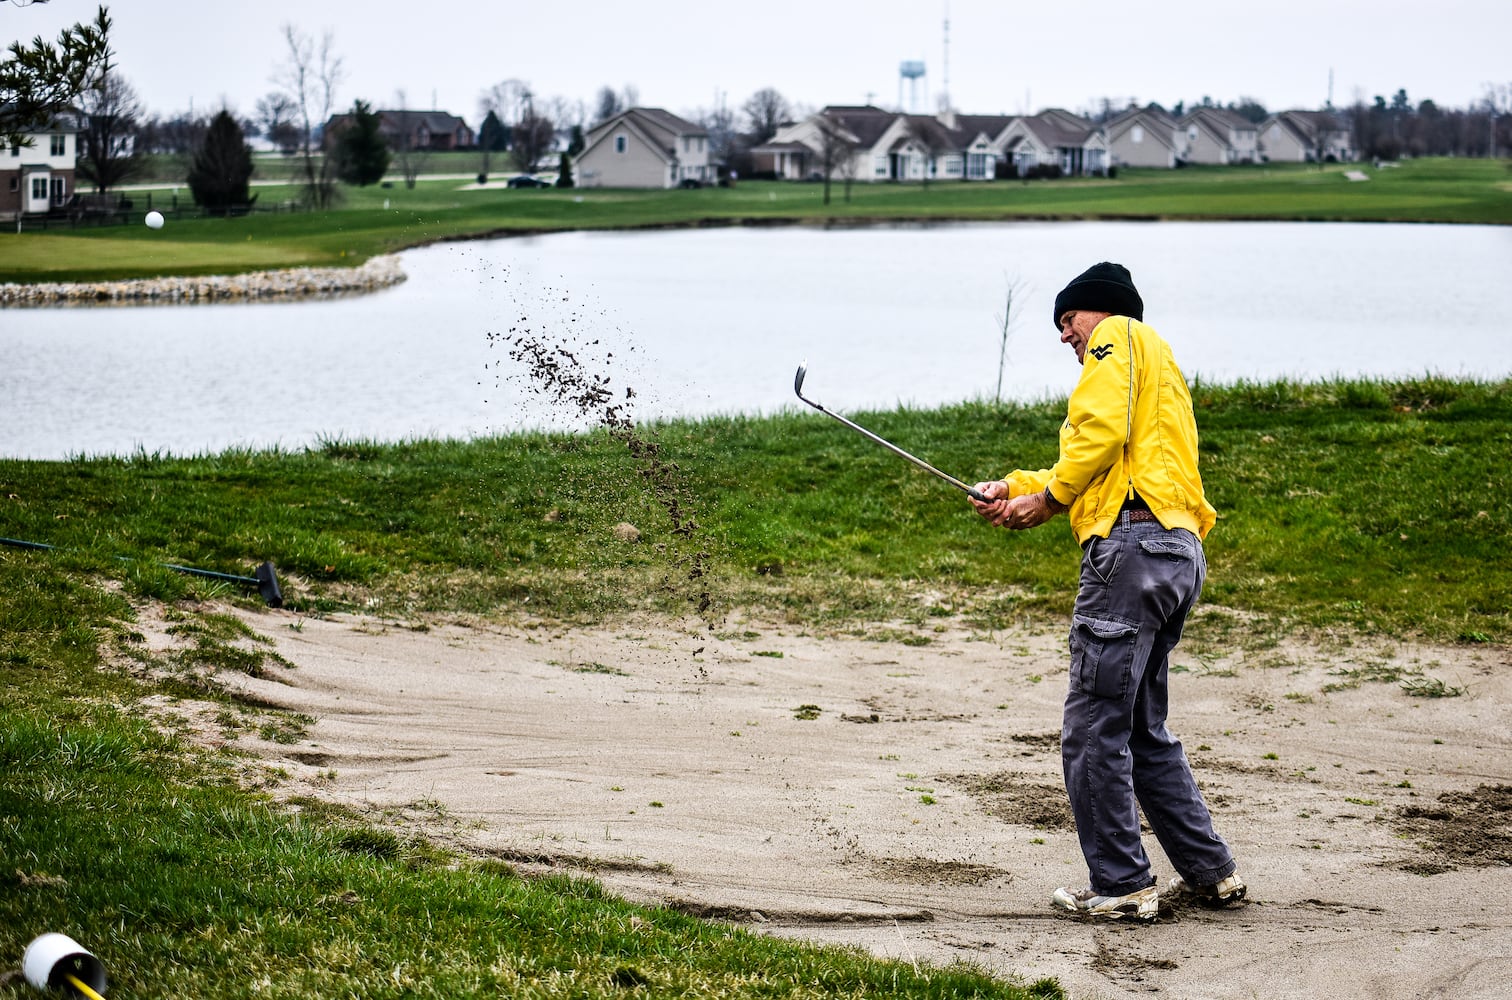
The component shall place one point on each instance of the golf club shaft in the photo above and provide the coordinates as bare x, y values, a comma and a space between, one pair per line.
952, 480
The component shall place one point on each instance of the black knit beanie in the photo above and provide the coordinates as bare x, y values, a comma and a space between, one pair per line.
1102, 287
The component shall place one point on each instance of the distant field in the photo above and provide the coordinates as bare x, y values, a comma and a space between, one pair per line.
377, 220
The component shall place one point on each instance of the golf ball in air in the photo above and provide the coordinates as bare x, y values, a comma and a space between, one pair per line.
154, 220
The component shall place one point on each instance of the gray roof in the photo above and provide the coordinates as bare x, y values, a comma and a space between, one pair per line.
1055, 128
1153, 113
989, 125
660, 128
656, 120
864, 122
1219, 118
434, 121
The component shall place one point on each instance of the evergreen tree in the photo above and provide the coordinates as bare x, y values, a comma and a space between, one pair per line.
222, 167
564, 172
40, 80
362, 155
493, 135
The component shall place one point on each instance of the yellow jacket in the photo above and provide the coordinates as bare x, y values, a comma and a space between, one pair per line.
1129, 426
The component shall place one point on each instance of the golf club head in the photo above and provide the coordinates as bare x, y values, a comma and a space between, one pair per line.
798, 379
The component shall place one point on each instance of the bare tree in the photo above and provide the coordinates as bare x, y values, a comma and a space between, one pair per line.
507, 99
1006, 321
1499, 115
107, 146
533, 136
309, 77
275, 116
181, 134
564, 115
836, 146
765, 111
719, 122
409, 155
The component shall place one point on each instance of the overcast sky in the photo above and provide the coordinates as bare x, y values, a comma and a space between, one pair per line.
684, 56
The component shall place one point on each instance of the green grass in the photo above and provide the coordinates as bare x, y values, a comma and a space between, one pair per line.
1359, 506
185, 886
1376, 505
1440, 190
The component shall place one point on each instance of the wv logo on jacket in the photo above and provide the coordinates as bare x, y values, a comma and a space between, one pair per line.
1101, 352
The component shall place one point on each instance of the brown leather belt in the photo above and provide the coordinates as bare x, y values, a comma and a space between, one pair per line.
1140, 514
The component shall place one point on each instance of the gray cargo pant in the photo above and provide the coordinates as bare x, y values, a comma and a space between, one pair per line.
1137, 586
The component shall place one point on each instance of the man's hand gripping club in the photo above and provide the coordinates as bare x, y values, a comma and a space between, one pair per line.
1029, 510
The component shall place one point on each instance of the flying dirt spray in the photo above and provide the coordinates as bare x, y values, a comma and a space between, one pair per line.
574, 372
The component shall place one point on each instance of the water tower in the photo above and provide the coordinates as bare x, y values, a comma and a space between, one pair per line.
911, 70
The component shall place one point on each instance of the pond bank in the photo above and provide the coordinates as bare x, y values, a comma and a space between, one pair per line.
288, 283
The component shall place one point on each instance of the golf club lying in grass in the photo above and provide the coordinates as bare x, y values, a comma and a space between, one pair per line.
266, 580
952, 480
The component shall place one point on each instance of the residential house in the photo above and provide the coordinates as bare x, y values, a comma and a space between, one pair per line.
432, 131
645, 148
981, 143
1143, 137
1055, 138
38, 178
872, 145
879, 145
1218, 135
1304, 137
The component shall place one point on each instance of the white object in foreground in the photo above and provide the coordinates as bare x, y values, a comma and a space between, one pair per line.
54, 961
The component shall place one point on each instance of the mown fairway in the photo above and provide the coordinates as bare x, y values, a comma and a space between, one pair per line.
1461, 191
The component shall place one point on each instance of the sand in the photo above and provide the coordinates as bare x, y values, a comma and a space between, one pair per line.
907, 799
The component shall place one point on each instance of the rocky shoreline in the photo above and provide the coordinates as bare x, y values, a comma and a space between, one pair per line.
289, 283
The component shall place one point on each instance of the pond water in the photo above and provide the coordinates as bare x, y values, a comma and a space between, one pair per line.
715, 321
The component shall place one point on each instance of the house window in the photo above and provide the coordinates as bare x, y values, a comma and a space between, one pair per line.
15, 149
57, 190
1137, 134
15, 184
59, 145
1192, 133
619, 144
39, 188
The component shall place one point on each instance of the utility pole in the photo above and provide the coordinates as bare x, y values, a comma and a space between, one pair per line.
945, 94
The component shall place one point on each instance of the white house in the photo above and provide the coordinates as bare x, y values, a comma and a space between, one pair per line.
864, 134
1304, 137
1143, 137
1218, 135
38, 178
879, 145
645, 148
1055, 138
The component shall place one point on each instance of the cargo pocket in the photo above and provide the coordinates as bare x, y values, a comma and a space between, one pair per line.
1169, 547
1102, 655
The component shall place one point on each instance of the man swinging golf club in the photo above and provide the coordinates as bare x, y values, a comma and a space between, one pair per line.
1127, 475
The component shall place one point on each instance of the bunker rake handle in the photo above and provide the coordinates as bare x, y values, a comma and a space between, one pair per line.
265, 580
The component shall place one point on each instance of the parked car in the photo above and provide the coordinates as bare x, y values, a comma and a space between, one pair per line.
527, 181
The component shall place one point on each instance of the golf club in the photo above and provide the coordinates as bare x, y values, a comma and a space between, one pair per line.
952, 480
